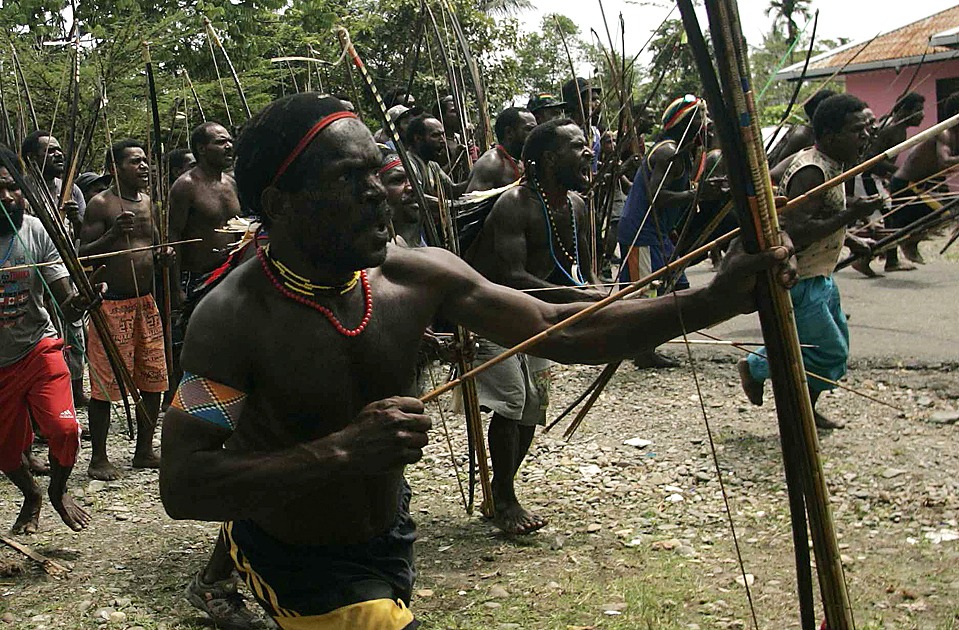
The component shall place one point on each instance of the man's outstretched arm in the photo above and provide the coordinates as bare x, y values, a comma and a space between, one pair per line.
620, 330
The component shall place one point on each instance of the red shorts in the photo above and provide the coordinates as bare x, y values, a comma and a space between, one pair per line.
38, 386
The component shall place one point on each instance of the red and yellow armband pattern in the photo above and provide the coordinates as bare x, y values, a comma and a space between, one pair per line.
209, 401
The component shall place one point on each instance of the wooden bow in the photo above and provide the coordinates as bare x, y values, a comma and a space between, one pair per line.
732, 107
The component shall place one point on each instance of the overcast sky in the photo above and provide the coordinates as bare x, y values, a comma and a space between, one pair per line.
855, 19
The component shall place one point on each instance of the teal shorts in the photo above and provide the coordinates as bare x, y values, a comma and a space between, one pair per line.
820, 322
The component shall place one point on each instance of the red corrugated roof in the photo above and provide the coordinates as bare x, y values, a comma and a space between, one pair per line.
902, 46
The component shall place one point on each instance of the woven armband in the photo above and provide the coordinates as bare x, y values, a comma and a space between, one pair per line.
209, 401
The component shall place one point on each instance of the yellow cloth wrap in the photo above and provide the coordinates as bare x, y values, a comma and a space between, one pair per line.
376, 614
925, 197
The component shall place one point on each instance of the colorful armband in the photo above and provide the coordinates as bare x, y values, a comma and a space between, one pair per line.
209, 401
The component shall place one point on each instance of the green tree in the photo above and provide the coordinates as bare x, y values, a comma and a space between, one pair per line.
543, 64
504, 7
784, 12
672, 72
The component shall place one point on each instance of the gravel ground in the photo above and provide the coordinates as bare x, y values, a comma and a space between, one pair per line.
638, 537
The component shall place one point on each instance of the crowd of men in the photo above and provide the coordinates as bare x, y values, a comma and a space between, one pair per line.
293, 390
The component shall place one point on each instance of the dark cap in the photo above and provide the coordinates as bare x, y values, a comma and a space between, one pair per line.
570, 90
85, 180
543, 101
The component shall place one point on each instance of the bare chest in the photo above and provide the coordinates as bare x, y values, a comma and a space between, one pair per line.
311, 380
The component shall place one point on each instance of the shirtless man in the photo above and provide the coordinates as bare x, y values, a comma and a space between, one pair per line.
116, 219
272, 443
502, 165
533, 239
927, 159
453, 159
202, 200
799, 136
34, 379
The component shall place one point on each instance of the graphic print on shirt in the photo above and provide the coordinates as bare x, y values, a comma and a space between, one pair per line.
14, 292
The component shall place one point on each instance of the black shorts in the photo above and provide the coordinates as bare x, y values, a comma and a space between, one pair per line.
331, 582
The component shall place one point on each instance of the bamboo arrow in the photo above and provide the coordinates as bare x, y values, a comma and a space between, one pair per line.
92, 257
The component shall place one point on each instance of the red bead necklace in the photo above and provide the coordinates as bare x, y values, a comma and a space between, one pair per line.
346, 332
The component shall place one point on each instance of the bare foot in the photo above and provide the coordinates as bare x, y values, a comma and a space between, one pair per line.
823, 422
751, 387
911, 251
103, 470
74, 516
28, 522
862, 266
149, 460
513, 519
899, 266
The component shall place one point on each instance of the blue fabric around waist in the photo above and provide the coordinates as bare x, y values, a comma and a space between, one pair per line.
821, 323
317, 579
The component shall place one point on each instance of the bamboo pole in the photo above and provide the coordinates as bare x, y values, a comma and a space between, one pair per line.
740, 130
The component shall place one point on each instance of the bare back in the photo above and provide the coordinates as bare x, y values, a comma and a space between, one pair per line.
494, 170
930, 157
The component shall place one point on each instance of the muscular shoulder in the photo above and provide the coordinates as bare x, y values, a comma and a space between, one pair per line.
662, 154
101, 206
429, 268
490, 159
222, 334
184, 184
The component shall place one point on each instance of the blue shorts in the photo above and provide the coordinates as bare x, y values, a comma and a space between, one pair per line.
820, 322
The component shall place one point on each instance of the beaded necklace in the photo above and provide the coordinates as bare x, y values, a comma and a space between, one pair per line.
266, 261
299, 284
551, 229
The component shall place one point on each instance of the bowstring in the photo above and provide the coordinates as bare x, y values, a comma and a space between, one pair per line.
449, 442
715, 457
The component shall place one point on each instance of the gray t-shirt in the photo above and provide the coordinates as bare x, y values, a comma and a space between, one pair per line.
23, 319
76, 194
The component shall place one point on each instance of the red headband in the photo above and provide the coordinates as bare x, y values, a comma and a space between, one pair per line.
322, 124
390, 165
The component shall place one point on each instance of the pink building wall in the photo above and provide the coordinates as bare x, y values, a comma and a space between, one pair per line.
881, 88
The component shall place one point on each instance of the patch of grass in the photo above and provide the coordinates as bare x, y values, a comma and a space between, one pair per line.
654, 594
